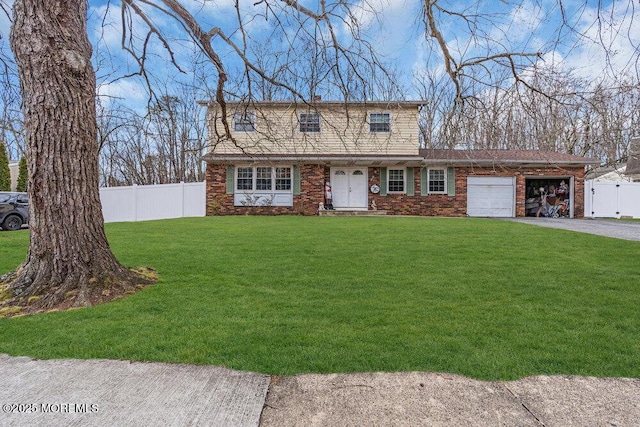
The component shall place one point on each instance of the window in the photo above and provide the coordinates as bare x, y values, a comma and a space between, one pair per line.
379, 122
437, 181
264, 179
244, 122
395, 180
283, 179
245, 179
310, 122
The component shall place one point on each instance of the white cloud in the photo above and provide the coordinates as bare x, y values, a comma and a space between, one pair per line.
525, 19
124, 91
389, 23
611, 47
105, 25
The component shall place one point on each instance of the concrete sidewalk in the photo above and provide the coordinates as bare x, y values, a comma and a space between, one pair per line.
121, 393
432, 399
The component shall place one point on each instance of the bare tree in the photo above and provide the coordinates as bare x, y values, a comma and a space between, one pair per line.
164, 146
68, 252
491, 56
568, 115
11, 126
177, 130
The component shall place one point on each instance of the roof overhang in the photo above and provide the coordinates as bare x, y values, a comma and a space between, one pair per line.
334, 160
509, 163
505, 158
367, 160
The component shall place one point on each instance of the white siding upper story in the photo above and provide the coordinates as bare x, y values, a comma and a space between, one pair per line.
317, 128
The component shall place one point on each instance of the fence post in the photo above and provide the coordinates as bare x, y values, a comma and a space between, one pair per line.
618, 200
183, 198
588, 199
135, 202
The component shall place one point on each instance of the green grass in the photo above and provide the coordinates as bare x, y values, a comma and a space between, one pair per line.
281, 295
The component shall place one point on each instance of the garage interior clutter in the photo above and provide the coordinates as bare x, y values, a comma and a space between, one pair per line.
548, 198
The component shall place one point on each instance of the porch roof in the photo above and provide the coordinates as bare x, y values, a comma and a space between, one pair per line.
425, 157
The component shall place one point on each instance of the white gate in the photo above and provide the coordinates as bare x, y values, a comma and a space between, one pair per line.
611, 199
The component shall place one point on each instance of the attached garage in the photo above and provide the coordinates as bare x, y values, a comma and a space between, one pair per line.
491, 196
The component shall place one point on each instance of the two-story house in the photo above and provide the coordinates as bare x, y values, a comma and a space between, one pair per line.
283, 157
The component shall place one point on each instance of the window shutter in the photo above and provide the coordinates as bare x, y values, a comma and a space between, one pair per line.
296, 179
411, 182
451, 182
383, 181
424, 189
230, 179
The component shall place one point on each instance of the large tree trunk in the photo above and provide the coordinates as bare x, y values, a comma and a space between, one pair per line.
69, 260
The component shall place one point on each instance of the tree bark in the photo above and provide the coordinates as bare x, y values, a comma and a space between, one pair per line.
69, 258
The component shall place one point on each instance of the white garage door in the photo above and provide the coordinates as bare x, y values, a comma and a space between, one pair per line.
490, 196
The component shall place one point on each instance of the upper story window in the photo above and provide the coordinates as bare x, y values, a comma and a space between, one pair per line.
379, 122
395, 180
244, 121
309, 122
437, 181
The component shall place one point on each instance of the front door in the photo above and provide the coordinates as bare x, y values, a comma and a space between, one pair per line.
349, 186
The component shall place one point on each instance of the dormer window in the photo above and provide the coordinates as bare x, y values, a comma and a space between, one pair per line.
244, 121
379, 122
309, 122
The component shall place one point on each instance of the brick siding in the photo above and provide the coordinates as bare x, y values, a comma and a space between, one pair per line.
305, 203
314, 176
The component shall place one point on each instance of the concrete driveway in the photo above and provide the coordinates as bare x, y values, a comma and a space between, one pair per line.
619, 229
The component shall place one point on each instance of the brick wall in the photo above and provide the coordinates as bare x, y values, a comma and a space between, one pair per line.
305, 203
431, 205
314, 176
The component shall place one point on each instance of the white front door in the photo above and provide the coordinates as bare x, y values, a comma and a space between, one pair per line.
349, 186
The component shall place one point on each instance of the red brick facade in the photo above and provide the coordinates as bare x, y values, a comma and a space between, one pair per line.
305, 203
312, 192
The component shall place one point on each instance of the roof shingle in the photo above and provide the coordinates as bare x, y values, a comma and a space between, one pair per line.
504, 157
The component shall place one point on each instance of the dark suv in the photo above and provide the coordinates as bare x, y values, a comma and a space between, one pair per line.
14, 210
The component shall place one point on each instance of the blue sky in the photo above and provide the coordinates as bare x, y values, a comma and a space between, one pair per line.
395, 30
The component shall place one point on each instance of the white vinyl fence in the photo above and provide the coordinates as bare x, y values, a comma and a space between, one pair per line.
611, 199
147, 202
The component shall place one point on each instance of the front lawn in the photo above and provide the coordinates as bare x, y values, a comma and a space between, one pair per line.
281, 295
